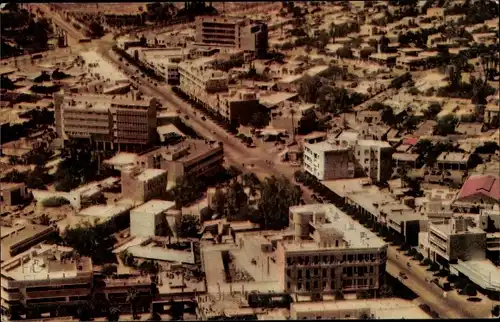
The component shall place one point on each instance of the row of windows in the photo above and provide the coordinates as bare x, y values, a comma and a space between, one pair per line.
330, 259
57, 287
330, 272
306, 286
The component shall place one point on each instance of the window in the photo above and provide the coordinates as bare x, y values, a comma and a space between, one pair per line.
332, 272
306, 260
299, 273
324, 285
324, 272
288, 272
337, 243
308, 286
316, 259
332, 285
308, 274
316, 272
299, 286
350, 258
288, 285
315, 284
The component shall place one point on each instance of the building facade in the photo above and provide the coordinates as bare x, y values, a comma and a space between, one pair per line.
232, 32
328, 162
149, 219
47, 278
452, 239
109, 122
342, 256
190, 158
143, 184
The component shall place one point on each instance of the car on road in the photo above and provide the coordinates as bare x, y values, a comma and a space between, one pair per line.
186, 117
403, 275
203, 118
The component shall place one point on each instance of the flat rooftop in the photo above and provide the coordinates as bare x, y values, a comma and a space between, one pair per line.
162, 254
381, 308
325, 146
482, 272
148, 174
122, 159
154, 207
44, 264
344, 187
15, 235
104, 211
356, 235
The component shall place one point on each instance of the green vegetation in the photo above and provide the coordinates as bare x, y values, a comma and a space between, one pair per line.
55, 202
24, 30
188, 227
94, 241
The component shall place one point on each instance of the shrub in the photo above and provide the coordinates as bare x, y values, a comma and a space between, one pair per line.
55, 202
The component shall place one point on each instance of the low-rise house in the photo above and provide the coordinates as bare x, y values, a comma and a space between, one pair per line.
12, 194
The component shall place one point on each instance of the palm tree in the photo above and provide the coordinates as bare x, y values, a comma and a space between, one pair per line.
132, 296
113, 314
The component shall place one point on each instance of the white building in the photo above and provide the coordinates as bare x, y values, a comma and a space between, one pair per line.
451, 240
327, 161
150, 219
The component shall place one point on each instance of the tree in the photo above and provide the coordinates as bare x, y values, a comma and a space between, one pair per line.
109, 270
236, 200
470, 290
460, 284
187, 190
419, 257
113, 314
132, 297
344, 52
308, 88
364, 316
496, 310
446, 125
94, 241
219, 202
96, 29
44, 219
38, 178
432, 111
15, 176
155, 317
189, 226
427, 262
277, 196
385, 291
84, 311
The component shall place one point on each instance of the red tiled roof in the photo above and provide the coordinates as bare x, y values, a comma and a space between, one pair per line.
410, 141
488, 185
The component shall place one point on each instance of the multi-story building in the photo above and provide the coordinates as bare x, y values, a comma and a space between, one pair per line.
189, 158
449, 240
345, 157
47, 278
328, 162
232, 32
150, 219
198, 79
109, 122
330, 253
18, 238
143, 184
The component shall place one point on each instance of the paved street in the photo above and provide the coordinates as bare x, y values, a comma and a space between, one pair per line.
453, 306
240, 156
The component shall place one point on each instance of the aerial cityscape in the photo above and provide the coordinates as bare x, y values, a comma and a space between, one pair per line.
250, 160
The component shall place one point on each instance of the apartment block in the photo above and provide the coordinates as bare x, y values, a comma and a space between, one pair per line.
109, 122
143, 184
344, 157
329, 253
449, 240
189, 158
232, 32
150, 219
48, 278
328, 162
